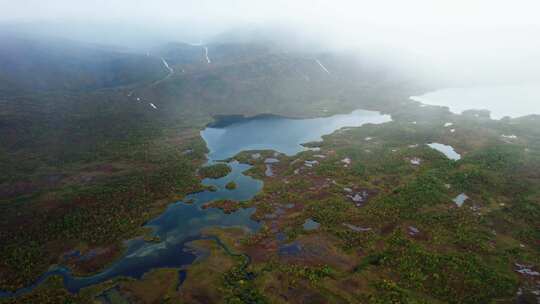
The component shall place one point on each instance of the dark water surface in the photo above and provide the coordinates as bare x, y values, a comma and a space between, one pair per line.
182, 223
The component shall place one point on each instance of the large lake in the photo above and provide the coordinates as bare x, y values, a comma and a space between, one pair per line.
511, 100
280, 133
183, 222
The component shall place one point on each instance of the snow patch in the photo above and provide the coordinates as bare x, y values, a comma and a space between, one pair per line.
322, 66
206, 55
166, 64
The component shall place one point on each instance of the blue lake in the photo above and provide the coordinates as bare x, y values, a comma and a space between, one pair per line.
183, 222
279, 133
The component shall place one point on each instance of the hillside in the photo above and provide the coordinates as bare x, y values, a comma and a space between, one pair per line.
38, 64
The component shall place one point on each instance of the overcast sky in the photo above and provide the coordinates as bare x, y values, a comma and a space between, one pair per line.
335, 13
385, 11
345, 21
498, 35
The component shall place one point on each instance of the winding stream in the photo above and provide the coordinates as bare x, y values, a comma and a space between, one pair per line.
184, 221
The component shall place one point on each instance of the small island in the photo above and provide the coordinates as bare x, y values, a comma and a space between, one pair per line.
227, 206
215, 171
231, 185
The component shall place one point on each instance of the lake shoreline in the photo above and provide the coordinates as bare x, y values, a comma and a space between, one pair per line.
501, 101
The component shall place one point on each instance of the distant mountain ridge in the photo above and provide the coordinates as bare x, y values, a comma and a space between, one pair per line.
31, 65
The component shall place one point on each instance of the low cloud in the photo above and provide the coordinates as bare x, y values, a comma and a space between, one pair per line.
473, 40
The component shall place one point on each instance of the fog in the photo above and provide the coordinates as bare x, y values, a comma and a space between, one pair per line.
460, 41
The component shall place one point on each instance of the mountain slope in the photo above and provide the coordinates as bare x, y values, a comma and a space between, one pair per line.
46, 64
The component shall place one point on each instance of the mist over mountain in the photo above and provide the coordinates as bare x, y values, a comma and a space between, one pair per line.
465, 41
492, 55
31, 63
255, 151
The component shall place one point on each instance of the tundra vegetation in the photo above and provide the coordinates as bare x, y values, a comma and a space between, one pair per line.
214, 171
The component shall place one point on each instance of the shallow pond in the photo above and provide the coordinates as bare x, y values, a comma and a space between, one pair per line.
461, 199
447, 150
183, 222
310, 224
511, 100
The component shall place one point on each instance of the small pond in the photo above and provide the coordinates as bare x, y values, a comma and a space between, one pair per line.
461, 199
310, 224
447, 150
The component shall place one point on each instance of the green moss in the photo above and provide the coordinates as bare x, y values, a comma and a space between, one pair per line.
239, 287
452, 277
90, 217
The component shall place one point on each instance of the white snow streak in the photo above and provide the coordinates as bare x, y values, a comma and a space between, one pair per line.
166, 64
171, 72
322, 66
206, 55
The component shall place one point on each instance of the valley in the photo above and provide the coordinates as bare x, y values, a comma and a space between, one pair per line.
337, 196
